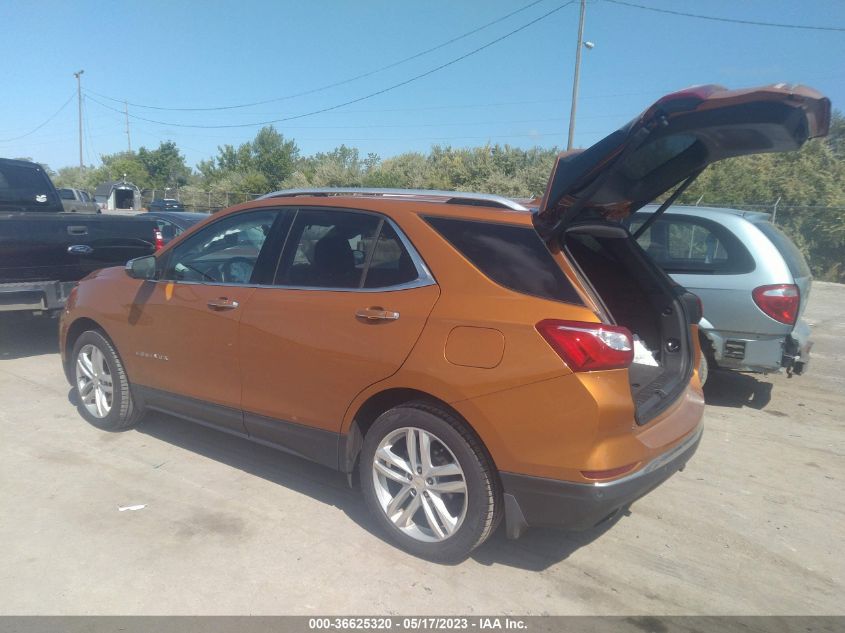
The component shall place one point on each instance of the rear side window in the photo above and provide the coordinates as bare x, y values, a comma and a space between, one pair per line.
687, 245
513, 256
66, 194
790, 253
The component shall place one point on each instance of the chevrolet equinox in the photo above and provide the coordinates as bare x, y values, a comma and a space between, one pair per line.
471, 358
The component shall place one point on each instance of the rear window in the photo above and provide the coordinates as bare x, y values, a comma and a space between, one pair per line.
790, 253
26, 186
513, 256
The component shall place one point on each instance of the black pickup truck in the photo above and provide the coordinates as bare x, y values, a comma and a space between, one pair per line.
45, 251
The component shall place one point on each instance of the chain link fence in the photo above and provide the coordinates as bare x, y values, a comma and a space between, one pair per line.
197, 200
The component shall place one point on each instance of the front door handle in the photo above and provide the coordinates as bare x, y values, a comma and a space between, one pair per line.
376, 314
222, 303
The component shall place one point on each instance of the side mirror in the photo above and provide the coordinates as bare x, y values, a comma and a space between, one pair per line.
142, 267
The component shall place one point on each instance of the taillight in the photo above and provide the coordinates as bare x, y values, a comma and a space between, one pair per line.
589, 346
159, 239
780, 301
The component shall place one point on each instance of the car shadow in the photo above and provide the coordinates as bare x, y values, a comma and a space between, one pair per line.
734, 389
22, 336
536, 550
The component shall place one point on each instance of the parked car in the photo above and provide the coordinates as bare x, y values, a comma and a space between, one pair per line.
752, 280
166, 204
45, 251
173, 224
78, 201
472, 361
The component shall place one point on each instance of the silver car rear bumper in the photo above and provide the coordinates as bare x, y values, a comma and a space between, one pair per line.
761, 352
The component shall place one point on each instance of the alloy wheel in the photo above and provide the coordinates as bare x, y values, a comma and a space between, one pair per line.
94, 381
419, 484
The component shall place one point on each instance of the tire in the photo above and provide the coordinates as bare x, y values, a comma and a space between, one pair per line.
446, 524
94, 352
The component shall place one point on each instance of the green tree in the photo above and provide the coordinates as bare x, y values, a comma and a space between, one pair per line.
165, 166
257, 166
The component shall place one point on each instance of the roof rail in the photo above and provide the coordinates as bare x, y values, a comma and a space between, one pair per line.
452, 197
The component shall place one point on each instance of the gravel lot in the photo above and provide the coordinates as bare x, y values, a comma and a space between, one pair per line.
754, 525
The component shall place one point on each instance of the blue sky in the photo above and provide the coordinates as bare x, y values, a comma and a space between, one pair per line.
199, 54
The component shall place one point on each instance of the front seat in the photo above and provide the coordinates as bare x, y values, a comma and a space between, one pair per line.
334, 263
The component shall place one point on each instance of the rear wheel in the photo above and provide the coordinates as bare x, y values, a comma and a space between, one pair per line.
429, 482
102, 388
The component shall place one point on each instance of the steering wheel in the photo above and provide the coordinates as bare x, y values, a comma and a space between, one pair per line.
237, 270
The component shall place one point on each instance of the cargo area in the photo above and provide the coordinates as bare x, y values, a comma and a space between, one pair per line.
639, 296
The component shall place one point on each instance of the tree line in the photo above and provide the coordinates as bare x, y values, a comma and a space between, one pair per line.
808, 185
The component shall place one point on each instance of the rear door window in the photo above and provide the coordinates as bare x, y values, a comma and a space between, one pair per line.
328, 249
390, 264
346, 249
688, 245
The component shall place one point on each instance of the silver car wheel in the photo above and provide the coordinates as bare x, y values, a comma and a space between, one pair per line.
94, 381
419, 484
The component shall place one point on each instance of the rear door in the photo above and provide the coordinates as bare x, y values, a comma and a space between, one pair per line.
349, 301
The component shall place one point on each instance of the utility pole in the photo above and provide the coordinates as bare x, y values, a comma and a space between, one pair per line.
577, 76
128, 138
79, 94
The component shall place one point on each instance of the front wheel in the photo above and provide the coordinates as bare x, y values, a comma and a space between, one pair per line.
102, 388
429, 482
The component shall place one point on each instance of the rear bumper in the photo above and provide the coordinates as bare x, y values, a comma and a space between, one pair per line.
539, 502
762, 353
34, 296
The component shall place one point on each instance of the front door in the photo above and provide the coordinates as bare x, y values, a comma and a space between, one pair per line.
185, 325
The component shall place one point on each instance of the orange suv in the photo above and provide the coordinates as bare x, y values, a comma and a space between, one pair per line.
471, 358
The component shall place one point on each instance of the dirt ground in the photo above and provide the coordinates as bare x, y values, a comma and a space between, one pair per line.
754, 525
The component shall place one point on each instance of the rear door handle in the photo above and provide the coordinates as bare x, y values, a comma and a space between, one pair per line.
222, 303
376, 314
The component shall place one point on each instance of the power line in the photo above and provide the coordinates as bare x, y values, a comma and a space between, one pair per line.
50, 118
351, 101
731, 20
336, 83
